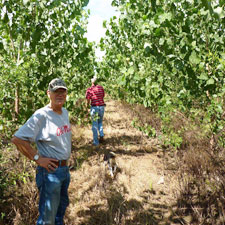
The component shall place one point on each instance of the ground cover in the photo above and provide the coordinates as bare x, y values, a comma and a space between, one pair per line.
143, 190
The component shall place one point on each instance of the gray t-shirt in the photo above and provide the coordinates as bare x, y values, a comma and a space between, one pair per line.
50, 131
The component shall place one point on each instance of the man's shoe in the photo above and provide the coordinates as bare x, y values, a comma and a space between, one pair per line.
95, 147
101, 140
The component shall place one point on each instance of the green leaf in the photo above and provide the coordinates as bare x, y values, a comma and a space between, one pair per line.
194, 58
25, 2
210, 81
220, 12
147, 51
144, 17
6, 18
204, 12
131, 70
123, 70
152, 24
171, 56
158, 32
85, 3
155, 85
220, 67
203, 76
223, 55
165, 16
161, 41
104, 24
1, 46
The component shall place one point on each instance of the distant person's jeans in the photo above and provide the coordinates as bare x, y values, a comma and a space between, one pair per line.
53, 191
97, 113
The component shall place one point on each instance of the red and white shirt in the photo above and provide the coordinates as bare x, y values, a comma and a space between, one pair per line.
96, 94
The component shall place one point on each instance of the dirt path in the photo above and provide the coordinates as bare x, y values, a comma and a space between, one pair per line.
142, 191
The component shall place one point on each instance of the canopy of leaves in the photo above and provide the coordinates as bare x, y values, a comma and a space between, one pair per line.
166, 52
41, 40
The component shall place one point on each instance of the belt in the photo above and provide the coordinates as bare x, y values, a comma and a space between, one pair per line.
61, 163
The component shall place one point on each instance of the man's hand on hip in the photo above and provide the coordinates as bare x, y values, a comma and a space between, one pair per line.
48, 163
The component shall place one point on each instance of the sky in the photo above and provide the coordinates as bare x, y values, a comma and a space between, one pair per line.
100, 10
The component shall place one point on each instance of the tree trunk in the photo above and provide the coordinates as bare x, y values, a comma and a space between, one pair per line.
17, 100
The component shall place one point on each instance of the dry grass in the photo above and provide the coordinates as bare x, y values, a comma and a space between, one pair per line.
134, 195
145, 189
19, 200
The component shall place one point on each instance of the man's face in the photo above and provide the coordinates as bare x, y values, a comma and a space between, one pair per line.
58, 97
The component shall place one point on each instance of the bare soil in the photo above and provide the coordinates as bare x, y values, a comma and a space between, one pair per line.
144, 188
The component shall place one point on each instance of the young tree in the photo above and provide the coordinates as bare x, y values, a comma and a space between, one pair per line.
40, 40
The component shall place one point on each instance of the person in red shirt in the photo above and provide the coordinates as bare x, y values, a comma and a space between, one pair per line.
95, 97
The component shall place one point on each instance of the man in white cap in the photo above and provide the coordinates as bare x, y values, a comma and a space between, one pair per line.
49, 128
95, 97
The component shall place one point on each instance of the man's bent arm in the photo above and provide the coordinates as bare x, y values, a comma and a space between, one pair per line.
24, 147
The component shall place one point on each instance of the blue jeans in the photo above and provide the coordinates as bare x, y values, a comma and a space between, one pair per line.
53, 192
97, 113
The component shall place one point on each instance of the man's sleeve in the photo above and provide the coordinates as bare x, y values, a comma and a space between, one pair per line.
30, 130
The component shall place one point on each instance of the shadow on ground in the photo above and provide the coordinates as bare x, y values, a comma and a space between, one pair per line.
116, 144
122, 212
